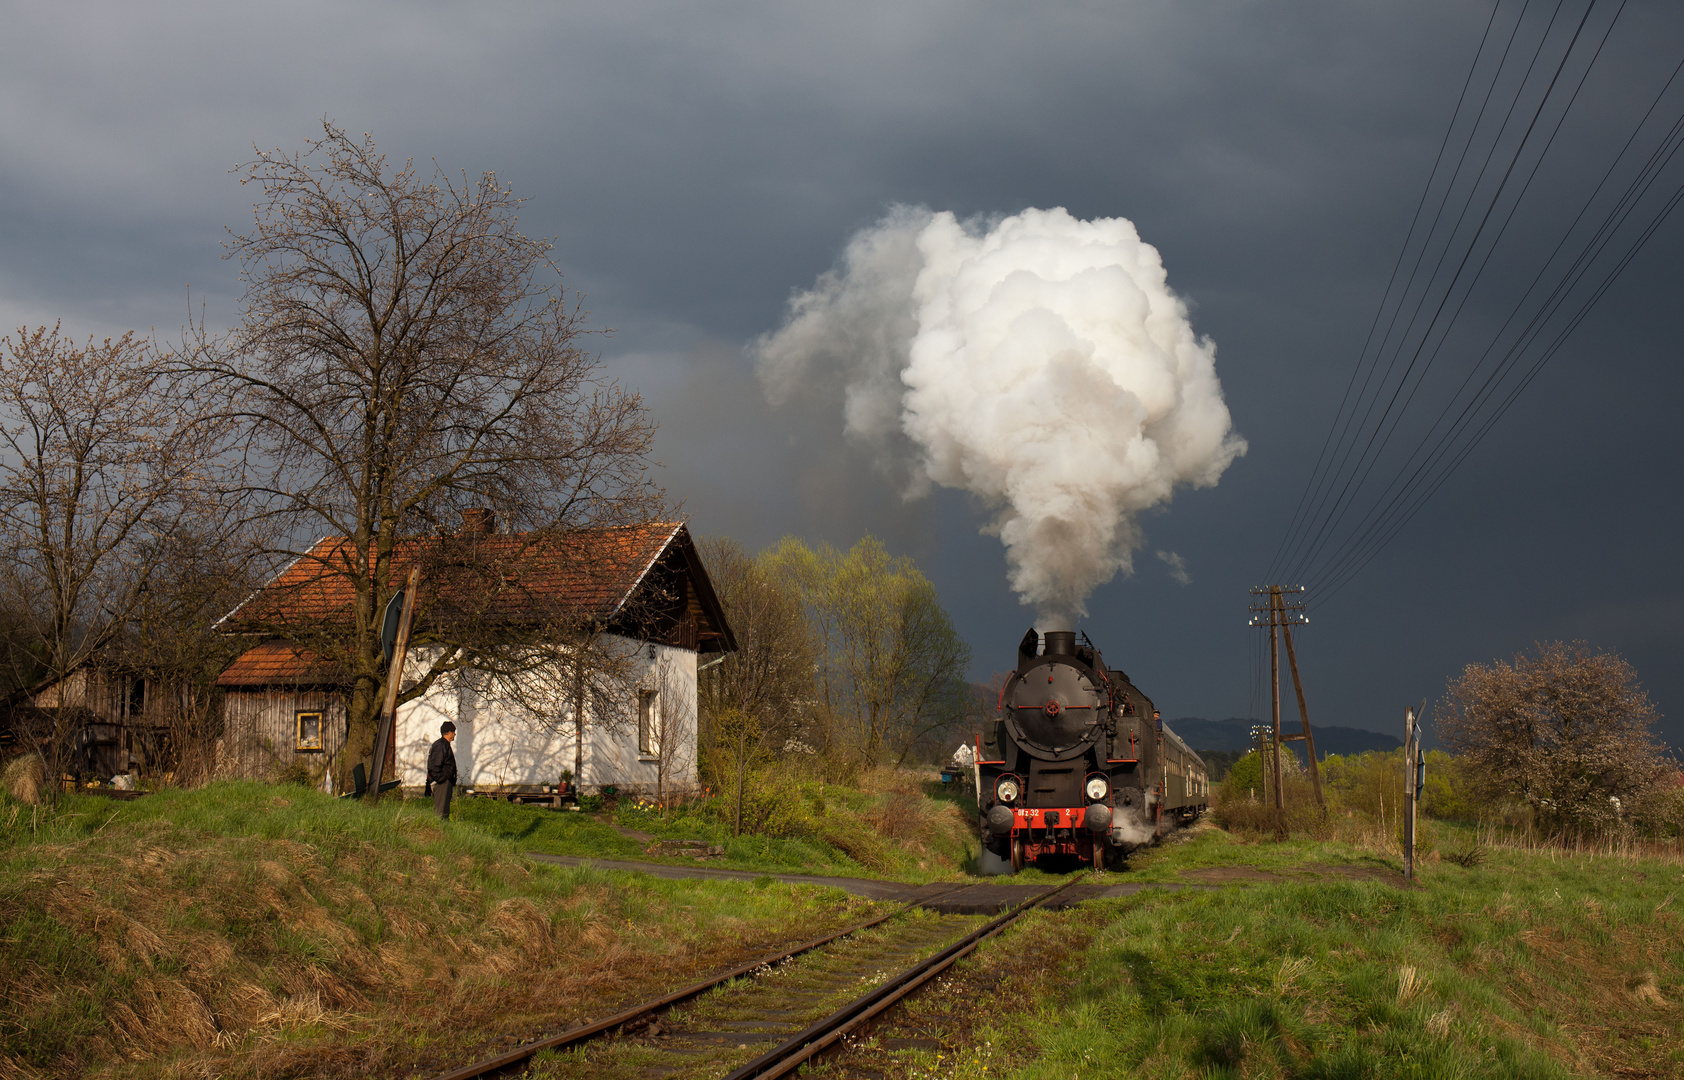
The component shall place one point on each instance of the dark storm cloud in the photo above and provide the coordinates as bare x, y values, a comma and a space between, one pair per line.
697, 164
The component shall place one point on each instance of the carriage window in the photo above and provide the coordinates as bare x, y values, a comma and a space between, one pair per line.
309, 731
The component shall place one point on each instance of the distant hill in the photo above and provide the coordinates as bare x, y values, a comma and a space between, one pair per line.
1235, 734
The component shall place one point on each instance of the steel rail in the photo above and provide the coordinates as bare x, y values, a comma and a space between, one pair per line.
819, 1036
592, 1029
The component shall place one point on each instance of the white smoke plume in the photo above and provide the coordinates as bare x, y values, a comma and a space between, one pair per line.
1039, 362
1177, 567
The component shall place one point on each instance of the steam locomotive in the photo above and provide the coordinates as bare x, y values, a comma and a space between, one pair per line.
1079, 764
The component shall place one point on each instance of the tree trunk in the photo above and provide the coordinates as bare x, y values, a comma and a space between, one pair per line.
742, 777
362, 725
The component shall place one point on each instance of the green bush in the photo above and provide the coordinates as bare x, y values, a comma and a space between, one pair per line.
1449, 793
1244, 779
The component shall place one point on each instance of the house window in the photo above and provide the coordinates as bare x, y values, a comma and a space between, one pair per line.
646, 721
309, 731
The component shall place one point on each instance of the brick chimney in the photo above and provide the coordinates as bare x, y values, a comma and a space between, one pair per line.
477, 520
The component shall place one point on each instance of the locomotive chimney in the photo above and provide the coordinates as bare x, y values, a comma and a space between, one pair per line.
1060, 643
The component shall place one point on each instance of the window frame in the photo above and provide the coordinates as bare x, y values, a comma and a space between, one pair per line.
646, 744
299, 746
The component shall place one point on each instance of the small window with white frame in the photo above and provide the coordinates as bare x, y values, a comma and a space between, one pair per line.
646, 722
310, 729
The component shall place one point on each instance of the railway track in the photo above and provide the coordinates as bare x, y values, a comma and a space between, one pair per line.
764, 1019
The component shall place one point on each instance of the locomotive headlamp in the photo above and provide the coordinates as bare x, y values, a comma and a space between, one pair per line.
1098, 787
1006, 789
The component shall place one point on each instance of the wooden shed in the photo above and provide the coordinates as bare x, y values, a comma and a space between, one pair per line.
283, 712
115, 720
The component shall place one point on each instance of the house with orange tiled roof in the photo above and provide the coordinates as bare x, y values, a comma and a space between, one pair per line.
644, 586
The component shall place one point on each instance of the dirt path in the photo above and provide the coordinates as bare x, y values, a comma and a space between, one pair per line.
969, 899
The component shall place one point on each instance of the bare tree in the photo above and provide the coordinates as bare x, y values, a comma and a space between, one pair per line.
104, 466
407, 353
171, 641
1566, 730
667, 726
572, 677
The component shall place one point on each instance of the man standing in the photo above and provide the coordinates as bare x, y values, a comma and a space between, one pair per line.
441, 770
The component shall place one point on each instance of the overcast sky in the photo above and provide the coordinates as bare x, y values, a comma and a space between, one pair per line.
696, 164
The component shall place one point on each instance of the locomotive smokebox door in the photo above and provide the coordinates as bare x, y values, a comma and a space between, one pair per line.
1052, 709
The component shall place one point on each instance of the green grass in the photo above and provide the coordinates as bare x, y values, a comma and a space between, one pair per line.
914, 831
591, 836
246, 930
1528, 965
1207, 848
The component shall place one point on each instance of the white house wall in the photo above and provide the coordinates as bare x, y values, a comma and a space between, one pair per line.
498, 745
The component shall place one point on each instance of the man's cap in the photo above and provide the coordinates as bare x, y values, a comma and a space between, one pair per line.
446, 726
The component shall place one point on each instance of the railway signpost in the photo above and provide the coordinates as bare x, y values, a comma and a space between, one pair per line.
395, 644
1414, 774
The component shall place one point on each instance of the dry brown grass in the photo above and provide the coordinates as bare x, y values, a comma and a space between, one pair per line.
1627, 846
25, 779
904, 814
240, 956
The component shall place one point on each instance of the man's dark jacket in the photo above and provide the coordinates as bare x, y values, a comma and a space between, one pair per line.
441, 763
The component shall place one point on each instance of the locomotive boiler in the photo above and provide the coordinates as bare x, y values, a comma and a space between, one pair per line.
1078, 765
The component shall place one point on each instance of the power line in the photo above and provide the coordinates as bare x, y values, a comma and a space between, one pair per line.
1322, 542
1359, 473
1292, 525
1357, 532
1537, 367
1571, 277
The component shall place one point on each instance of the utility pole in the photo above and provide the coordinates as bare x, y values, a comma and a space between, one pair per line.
1275, 706
1279, 612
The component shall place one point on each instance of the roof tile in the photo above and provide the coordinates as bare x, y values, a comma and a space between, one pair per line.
505, 577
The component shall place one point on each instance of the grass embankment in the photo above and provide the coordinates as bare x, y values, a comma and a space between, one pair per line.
245, 930
892, 824
1315, 960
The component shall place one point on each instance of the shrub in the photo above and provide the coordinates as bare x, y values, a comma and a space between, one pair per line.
1567, 730
297, 773
1661, 811
1244, 779
1470, 858
1243, 814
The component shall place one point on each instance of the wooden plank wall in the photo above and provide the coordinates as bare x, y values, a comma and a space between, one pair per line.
259, 733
